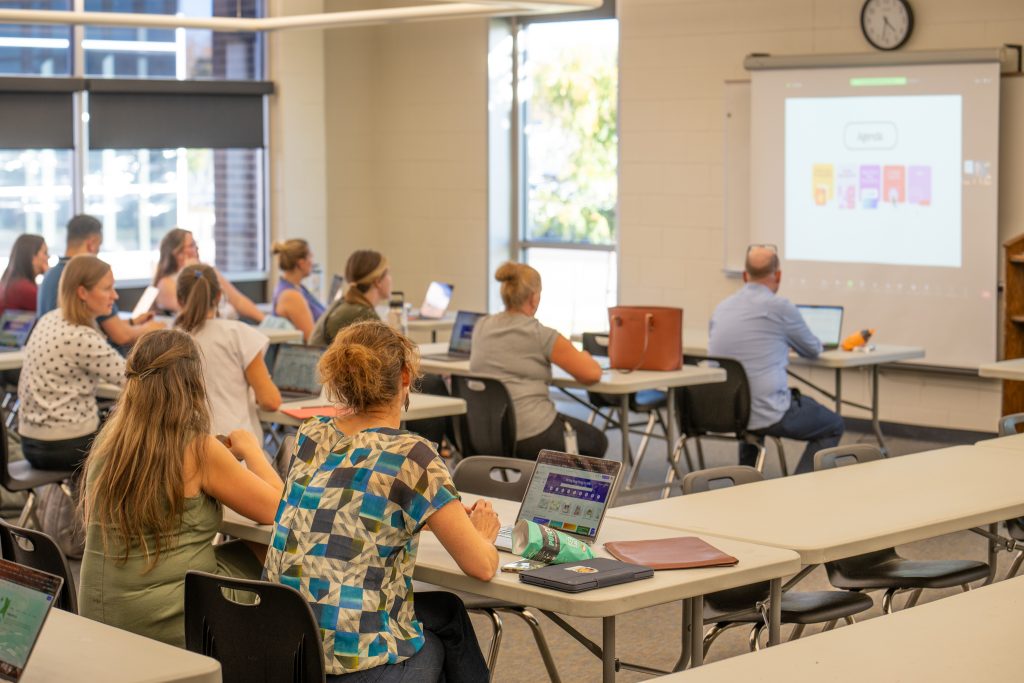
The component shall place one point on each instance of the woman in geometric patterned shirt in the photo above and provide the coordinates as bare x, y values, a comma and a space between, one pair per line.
358, 493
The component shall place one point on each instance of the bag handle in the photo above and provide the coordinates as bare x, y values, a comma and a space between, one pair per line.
648, 326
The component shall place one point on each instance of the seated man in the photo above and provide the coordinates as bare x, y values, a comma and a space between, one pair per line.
758, 328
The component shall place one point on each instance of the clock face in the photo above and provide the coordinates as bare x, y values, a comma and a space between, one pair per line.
886, 23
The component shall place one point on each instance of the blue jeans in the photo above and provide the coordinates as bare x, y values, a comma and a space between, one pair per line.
806, 420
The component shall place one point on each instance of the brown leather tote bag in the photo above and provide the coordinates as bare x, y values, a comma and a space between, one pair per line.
645, 338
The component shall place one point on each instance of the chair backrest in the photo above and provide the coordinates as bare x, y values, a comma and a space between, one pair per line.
595, 343
477, 475
1008, 423
37, 550
720, 478
489, 425
273, 638
839, 456
717, 408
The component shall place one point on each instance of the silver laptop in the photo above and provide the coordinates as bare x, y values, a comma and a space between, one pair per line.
462, 337
26, 596
567, 492
826, 322
14, 328
436, 300
295, 370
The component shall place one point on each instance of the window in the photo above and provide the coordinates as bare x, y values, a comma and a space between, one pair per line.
41, 50
566, 178
35, 195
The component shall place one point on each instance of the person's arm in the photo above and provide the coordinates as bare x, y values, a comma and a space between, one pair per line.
254, 490
292, 307
580, 364
469, 539
243, 304
122, 332
798, 335
167, 299
268, 397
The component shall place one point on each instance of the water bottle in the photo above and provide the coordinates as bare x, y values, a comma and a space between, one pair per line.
571, 445
397, 317
315, 282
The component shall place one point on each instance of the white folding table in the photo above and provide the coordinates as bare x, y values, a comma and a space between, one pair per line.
421, 407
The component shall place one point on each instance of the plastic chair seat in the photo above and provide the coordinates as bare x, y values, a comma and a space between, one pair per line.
902, 573
811, 607
22, 476
1015, 528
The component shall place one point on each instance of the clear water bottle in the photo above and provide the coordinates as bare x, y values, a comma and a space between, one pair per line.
571, 445
315, 282
398, 318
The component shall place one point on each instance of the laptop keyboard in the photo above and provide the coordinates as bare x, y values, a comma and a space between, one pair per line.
504, 539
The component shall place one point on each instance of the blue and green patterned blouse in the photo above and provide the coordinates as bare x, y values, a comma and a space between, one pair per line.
346, 537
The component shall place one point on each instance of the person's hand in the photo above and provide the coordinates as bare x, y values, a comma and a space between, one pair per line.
243, 444
485, 519
143, 319
154, 325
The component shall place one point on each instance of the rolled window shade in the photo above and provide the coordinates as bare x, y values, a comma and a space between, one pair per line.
36, 120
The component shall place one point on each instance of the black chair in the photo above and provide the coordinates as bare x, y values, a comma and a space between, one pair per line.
649, 402
1014, 527
739, 606
37, 550
274, 639
478, 475
718, 411
489, 425
21, 476
886, 569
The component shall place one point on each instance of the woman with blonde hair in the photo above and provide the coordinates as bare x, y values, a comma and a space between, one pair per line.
155, 482
292, 301
357, 468
66, 358
178, 248
516, 348
369, 283
232, 354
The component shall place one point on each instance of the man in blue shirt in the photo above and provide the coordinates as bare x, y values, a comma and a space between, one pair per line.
758, 328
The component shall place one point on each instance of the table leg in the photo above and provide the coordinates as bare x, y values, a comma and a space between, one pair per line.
696, 630
839, 391
608, 650
875, 422
627, 456
684, 646
775, 612
672, 427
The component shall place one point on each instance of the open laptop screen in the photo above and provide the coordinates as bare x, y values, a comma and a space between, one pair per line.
15, 326
436, 300
26, 596
462, 332
295, 368
826, 322
570, 492
336, 289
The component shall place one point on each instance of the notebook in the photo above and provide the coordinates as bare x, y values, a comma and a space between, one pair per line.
26, 596
826, 322
295, 370
15, 326
680, 552
462, 337
576, 577
436, 300
566, 492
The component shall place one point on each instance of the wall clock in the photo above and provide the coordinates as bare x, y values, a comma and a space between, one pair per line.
886, 24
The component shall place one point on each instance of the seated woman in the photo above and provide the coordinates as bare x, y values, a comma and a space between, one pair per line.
292, 301
515, 348
66, 358
177, 249
232, 355
369, 283
155, 481
29, 259
359, 491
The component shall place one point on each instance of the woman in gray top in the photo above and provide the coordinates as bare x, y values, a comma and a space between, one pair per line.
514, 347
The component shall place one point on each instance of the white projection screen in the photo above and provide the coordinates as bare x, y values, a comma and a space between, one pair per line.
879, 187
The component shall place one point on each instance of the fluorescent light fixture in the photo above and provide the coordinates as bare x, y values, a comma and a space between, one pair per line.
440, 9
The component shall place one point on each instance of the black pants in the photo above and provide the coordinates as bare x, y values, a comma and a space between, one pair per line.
66, 454
589, 439
450, 651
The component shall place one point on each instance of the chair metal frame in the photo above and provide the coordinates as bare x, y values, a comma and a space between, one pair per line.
26, 546
21, 476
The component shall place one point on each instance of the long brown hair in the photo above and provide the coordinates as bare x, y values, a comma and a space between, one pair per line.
362, 368
169, 246
136, 485
20, 266
198, 291
362, 270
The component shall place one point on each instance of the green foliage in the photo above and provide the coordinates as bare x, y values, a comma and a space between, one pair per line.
573, 114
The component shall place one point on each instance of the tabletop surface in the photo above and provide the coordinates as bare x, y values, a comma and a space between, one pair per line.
856, 509
421, 407
435, 565
73, 648
1005, 369
977, 632
1014, 442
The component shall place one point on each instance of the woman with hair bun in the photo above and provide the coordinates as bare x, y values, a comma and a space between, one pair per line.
515, 348
359, 492
292, 301
369, 283
155, 482
232, 354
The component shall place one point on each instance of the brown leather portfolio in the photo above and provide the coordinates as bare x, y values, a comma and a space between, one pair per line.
681, 552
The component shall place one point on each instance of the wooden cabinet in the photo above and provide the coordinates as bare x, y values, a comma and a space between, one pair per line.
1013, 321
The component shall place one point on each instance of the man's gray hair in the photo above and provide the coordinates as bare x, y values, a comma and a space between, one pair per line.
762, 268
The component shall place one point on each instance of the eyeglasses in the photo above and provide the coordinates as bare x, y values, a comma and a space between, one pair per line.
770, 247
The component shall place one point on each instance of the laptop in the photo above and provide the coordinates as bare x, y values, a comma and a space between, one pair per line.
295, 370
26, 596
826, 322
462, 337
436, 300
336, 289
567, 492
15, 326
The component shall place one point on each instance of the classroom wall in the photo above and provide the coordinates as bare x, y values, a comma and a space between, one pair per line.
406, 155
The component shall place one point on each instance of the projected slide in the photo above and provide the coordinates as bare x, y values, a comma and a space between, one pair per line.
874, 180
